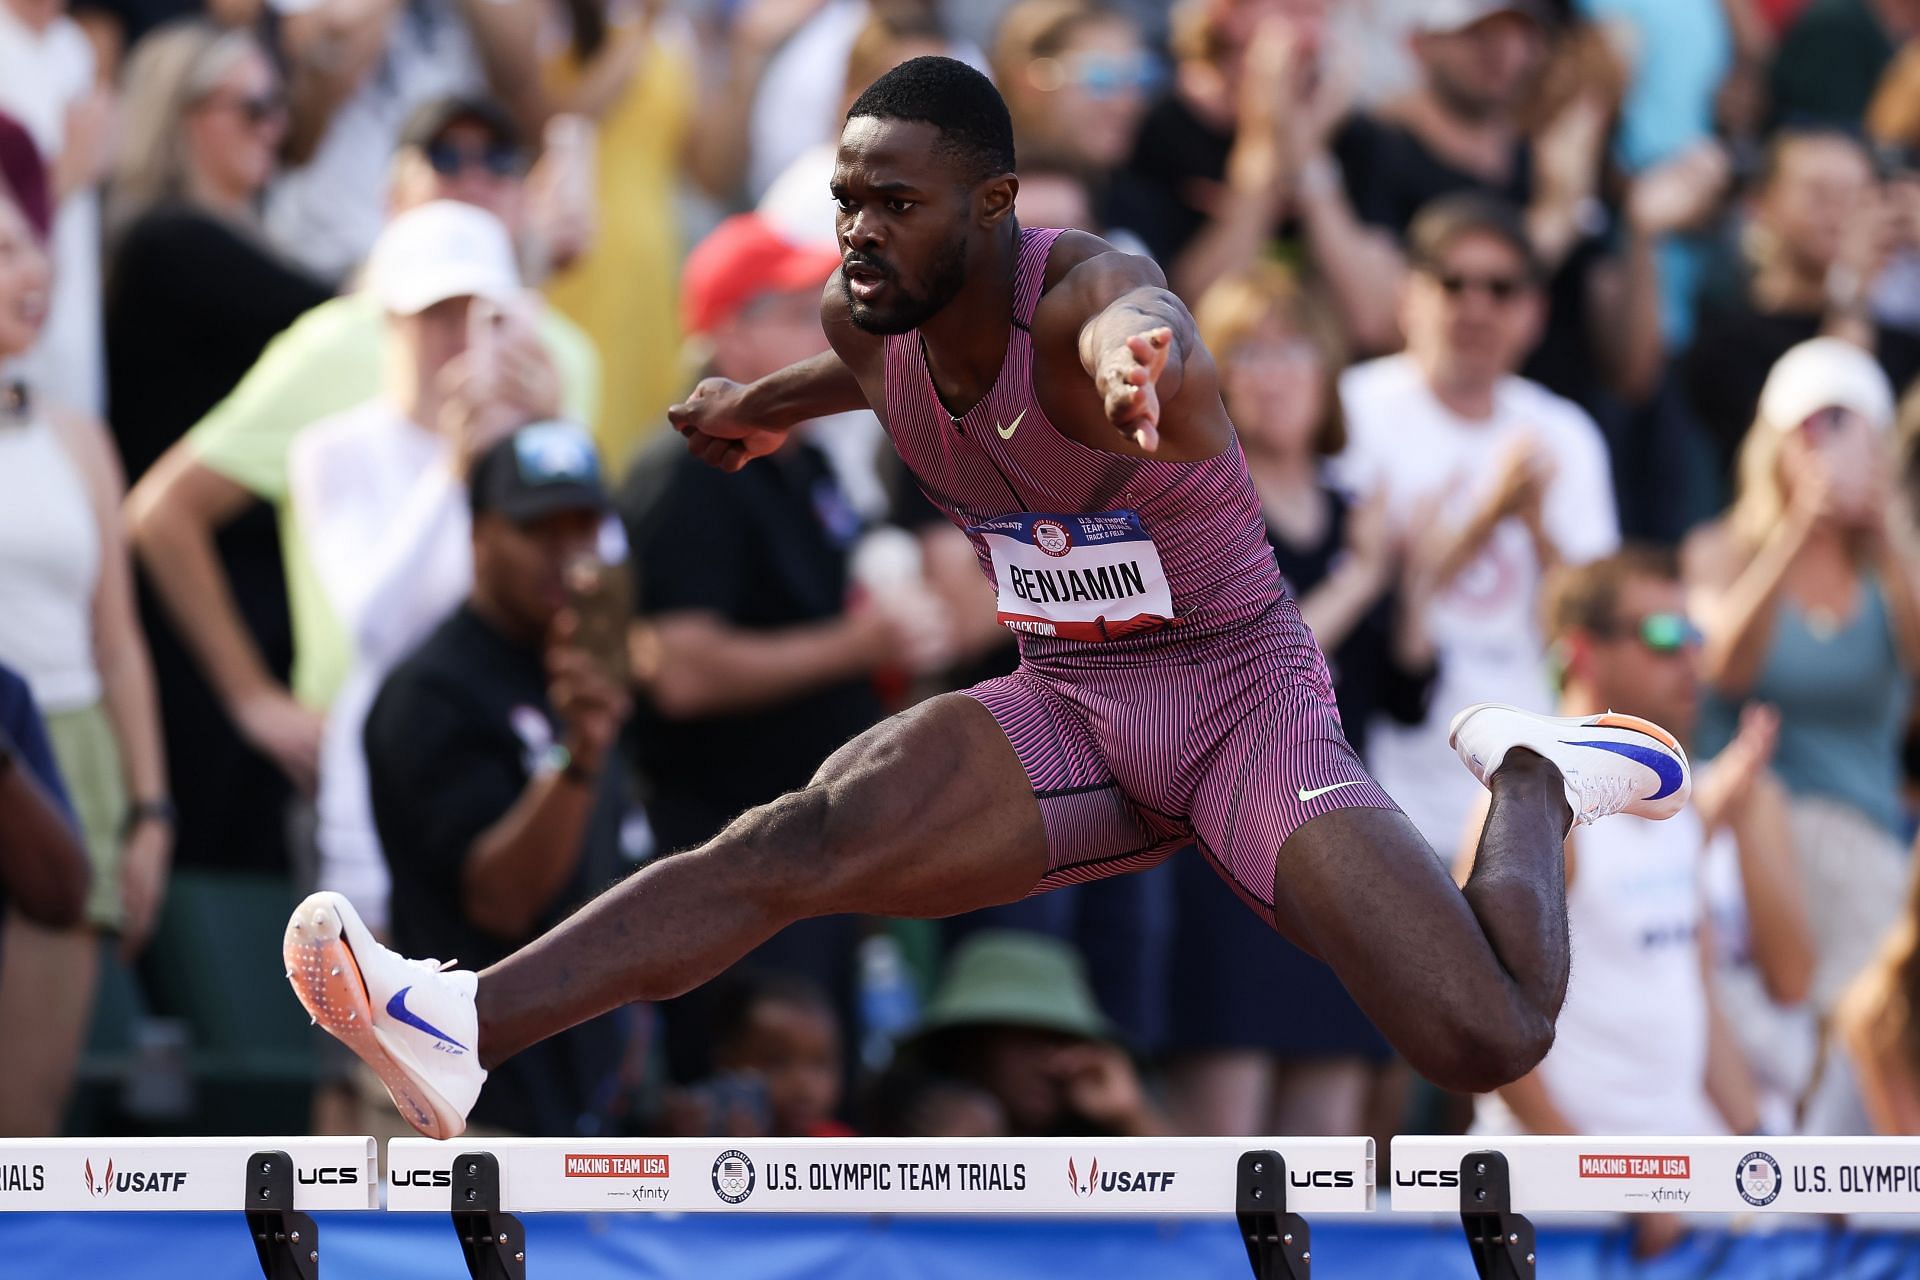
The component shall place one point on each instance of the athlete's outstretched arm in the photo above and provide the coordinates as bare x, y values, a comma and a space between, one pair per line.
729, 424
1135, 342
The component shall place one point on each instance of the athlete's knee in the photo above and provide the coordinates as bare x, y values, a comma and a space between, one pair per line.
1480, 1050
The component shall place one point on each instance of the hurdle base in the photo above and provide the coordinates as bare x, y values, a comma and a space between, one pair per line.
286, 1242
1279, 1245
1500, 1240
493, 1243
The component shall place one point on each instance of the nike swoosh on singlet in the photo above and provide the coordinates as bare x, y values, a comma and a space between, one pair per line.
397, 1009
1006, 433
1317, 792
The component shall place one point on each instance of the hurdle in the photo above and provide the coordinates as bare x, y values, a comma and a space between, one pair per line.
275, 1182
1265, 1183
1493, 1183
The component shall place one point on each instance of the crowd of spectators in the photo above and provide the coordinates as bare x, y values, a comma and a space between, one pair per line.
341, 544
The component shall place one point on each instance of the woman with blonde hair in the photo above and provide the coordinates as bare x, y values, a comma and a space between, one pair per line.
1311, 1067
69, 627
1805, 592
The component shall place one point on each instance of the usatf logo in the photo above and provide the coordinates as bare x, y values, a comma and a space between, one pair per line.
139, 1182
1758, 1179
1116, 1179
616, 1166
733, 1177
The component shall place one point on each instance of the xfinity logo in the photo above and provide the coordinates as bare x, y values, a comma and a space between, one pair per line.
336, 1176
423, 1177
1426, 1177
1116, 1179
139, 1181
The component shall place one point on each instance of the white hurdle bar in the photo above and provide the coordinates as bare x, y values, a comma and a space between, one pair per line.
1267, 1183
276, 1182
1493, 1182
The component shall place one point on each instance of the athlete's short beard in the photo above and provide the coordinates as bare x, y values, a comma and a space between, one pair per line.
910, 310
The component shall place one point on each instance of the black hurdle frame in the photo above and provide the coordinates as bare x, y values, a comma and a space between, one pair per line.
494, 1243
286, 1242
1501, 1240
1279, 1243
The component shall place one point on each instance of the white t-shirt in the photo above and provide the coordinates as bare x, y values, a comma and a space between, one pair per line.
388, 528
1402, 440
42, 74
1629, 1053
327, 213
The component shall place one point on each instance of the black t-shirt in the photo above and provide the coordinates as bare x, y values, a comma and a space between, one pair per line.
1366, 678
451, 743
764, 548
1734, 348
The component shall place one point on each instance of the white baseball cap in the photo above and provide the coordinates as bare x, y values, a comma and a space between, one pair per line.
1826, 373
1444, 17
440, 250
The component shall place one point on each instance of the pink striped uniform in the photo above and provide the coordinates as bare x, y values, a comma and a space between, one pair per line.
1210, 729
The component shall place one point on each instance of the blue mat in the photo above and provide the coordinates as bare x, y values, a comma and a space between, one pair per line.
371, 1246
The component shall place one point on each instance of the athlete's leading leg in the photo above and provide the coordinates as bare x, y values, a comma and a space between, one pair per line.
926, 814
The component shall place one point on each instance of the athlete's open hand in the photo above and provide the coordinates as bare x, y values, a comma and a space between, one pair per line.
1128, 382
716, 432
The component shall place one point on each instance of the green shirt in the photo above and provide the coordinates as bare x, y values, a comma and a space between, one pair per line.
328, 361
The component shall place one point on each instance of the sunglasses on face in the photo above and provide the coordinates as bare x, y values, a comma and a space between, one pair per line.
256, 109
1499, 288
1098, 75
497, 158
1663, 633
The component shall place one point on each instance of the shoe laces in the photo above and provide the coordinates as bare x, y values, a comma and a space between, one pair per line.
1594, 796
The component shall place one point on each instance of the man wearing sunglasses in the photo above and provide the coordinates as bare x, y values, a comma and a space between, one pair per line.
1701, 909
1516, 480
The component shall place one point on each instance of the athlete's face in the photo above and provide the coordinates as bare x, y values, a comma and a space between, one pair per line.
907, 219
25, 278
1472, 317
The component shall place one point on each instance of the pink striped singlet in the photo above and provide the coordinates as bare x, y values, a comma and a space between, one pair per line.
1168, 691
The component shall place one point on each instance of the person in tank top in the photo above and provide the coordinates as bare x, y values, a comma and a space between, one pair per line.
1050, 396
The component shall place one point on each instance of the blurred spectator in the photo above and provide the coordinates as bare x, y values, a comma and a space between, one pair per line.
49, 84
1241, 1066
376, 490
1076, 75
798, 203
1819, 236
793, 107
1013, 1015
1620, 1063
910, 1102
493, 757
1832, 56
24, 173
194, 292
330, 361
1893, 127
765, 652
43, 865
782, 1030
1870, 1080
358, 71
70, 629
1238, 147
1497, 478
1805, 591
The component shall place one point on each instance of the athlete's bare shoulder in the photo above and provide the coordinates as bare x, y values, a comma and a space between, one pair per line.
1084, 274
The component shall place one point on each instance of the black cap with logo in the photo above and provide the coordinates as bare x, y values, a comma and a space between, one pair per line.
538, 471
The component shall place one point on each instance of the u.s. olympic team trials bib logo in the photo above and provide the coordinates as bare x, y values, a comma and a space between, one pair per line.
733, 1176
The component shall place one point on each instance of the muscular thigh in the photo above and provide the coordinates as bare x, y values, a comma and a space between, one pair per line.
930, 813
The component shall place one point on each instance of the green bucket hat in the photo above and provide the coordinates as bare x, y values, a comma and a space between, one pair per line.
1005, 977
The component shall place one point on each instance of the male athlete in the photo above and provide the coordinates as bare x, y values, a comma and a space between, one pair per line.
1051, 396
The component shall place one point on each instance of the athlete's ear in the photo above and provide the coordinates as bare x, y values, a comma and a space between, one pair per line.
996, 196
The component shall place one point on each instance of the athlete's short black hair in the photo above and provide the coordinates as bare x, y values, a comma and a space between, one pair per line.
955, 99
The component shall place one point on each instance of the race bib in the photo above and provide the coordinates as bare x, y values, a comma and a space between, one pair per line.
1079, 577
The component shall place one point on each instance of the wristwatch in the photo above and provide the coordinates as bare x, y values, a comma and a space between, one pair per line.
557, 759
